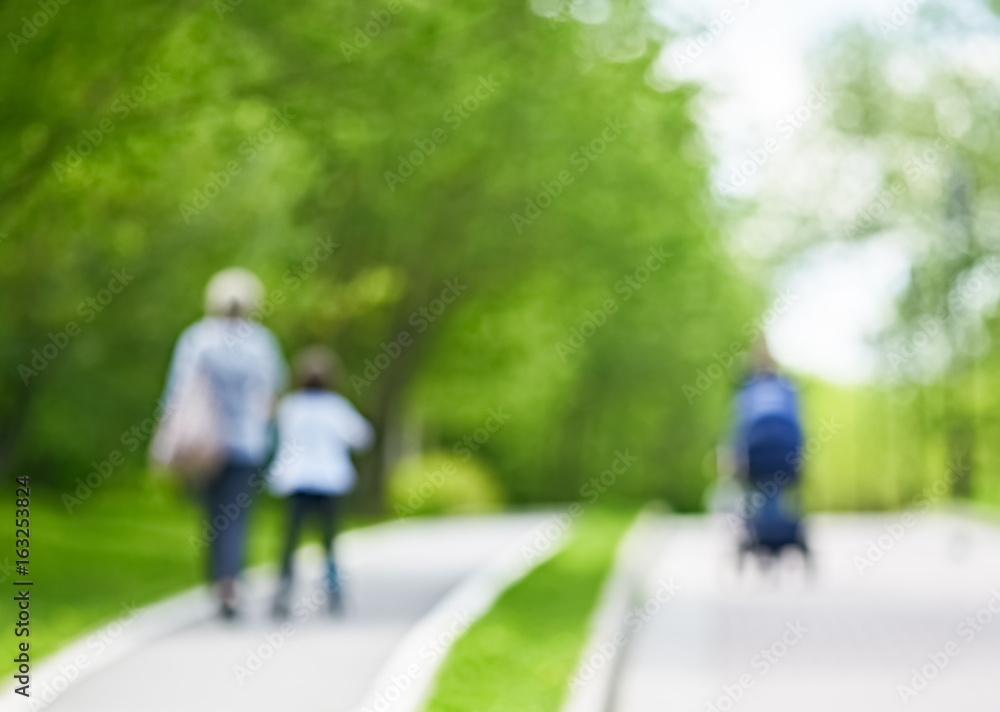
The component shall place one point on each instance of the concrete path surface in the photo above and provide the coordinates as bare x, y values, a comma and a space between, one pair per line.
394, 575
893, 635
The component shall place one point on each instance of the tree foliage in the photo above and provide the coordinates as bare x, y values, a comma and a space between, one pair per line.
365, 160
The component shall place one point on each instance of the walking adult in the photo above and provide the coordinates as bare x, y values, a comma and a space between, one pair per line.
234, 364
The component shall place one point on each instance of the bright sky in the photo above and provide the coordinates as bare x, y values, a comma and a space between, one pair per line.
754, 70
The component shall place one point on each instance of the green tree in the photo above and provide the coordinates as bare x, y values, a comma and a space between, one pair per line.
363, 160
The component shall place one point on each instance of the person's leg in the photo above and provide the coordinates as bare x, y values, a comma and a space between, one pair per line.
229, 499
297, 505
211, 496
296, 508
327, 507
235, 509
334, 585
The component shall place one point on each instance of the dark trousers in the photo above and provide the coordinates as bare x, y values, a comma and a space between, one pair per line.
300, 505
227, 499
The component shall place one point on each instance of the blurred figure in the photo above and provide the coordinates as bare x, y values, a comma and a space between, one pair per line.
317, 429
238, 365
766, 451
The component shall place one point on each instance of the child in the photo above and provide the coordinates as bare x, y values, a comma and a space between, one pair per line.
317, 428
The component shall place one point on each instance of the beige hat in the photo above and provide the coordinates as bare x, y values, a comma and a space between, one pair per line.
233, 292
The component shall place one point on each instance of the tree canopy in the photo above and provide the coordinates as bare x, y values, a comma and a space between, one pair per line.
479, 206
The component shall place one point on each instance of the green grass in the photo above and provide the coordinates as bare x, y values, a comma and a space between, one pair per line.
520, 655
120, 546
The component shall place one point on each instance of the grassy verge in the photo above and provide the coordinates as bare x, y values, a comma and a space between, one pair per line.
121, 546
519, 656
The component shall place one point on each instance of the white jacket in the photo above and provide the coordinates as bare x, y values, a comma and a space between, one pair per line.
316, 432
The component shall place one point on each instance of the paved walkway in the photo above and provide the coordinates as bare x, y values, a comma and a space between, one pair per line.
844, 643
395, 574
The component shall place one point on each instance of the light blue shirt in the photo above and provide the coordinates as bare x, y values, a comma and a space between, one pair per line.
316, 432
243, 362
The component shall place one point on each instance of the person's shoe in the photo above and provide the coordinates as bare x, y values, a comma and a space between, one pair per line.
334, 589
332, 579
227, 599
